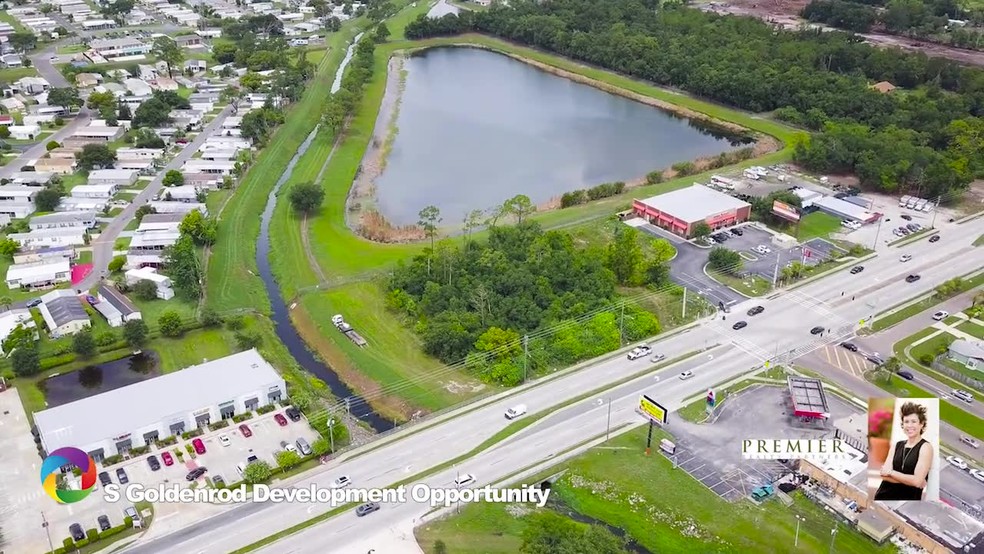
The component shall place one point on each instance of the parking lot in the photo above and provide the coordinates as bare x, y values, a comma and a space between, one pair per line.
711, 452
24, 500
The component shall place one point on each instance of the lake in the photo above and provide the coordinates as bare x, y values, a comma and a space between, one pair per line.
96, 379
477, 128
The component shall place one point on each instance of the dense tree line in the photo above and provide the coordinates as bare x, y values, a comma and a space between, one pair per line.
923, 19
477, 301
814, 78
341, 104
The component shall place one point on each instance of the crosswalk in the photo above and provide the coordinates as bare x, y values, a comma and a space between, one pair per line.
845, 360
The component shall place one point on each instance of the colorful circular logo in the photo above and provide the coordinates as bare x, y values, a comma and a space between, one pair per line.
50, 469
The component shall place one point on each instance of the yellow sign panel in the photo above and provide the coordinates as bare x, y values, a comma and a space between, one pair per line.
652, 409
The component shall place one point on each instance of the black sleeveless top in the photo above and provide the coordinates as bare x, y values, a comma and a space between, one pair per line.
904, 461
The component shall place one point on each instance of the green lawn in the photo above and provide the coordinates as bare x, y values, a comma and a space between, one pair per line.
972, 329
18, 294
979, 241
928, 347
193, 348
753, 285
818, 225
70, 49
931, 347
663, 509
11, 20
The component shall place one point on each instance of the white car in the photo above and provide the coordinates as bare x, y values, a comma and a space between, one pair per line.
977, 474
464, 479
970, 442
763, 249
288, 446
657, 358
956, 462
941, 315
341, 482
224, 440
686, 375
905, 258
640, 351
516, 411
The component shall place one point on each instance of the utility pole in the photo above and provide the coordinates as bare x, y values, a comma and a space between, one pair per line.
621, 326
775, 274
936, 210
526, 356
331, 433
874, 245
44, 525
684, 315
608, 431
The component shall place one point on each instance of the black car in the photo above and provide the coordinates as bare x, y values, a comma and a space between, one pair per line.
912, 278
737, 232
934, 238
196, 473
76, 531
857, 269
817, 330
739, 325
907, 217
33, 302
121, 475
293, 413
366, 508
103, 523
153, 463
105, 479
907, 375
756, 310
850, 346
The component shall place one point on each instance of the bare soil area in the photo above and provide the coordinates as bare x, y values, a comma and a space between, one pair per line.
786, 13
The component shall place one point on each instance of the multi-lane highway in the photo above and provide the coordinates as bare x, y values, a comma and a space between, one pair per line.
783, 327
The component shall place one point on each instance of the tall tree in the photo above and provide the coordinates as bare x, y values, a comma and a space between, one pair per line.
520, 206
472, 221
67, 97
183, 267
624, 256
95, 156
167, 51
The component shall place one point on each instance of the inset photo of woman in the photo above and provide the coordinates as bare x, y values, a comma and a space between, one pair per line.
903, 449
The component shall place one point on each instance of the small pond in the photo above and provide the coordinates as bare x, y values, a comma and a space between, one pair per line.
96, 379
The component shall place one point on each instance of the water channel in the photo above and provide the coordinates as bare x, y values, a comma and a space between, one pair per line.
476, 127
97, 379
357, 406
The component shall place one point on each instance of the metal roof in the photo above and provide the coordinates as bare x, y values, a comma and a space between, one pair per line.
115, 298
968, 349
844, 209
695, 203
63, 307
808, 397
126, 409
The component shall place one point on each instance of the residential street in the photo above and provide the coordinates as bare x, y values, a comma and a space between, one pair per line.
102, 247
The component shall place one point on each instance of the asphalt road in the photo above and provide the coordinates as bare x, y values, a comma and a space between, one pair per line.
102, 246
782, 328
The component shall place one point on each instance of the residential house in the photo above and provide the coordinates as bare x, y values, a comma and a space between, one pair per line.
6, 120
189, 41
115, 307
119, 47
139, 153
101, 133
12, 105
81, 204
164, 83
67, 236
32, 85
190, 120
87, 80
102, 191
147, 72
63, 313
160, 222
195, 66
205, 166
138, 87
163, 207
11, 61
225, 143
70, 150
11, 320
183, 193
60, 166
98, 24
884, 87
24, 132
120, 177
58, 220
17, 202
39, 274
31, 178
219, 154
44, 255
202, 180
969, 353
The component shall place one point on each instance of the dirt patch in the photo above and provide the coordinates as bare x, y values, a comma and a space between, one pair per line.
786, 14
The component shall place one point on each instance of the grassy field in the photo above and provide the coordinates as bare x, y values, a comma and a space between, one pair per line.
932, 346
972, 329
753, 285
663, 509
911, 359
818, 225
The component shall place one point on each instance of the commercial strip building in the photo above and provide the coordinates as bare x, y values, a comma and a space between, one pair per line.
679, 211
116, 421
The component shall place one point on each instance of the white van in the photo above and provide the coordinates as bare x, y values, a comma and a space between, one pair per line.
516, 411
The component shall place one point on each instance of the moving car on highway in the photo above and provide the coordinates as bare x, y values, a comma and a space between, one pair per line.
640, 351
516, 411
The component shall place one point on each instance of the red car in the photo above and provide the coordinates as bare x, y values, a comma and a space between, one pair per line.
281, 419
166, 456
244, 429
199, 446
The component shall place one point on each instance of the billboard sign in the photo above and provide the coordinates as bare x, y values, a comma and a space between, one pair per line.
785, 211
651, 409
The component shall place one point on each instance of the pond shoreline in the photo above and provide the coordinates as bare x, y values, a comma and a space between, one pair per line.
365, 220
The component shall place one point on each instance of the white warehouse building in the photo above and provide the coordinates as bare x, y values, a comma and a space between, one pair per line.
163, 406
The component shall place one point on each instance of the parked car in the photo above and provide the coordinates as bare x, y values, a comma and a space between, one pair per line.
934, 238
134, 515
199, 446
956, 462
817, 330
293, 413
196, 473
166, 456
224, 440
756, 310
103, 522
153, 463
857, 269
104, 478
121, 475
516, 411
739, 325
737, 232
366, 509
289, 447
850, 346
281, 420
906, 217
912, 278
640, 351
76, 531
341, 482
303, 446
941, 315
245, 430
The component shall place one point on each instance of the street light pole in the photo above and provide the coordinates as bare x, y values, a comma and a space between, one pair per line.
936, 210
331, 433
608, 431
874, 245
44, 525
